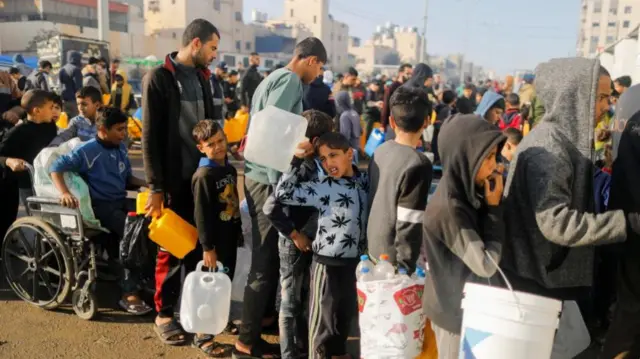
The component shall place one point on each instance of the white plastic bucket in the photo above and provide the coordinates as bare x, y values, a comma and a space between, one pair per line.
503, 324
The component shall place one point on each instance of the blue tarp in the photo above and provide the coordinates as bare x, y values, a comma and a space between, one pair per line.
7, 61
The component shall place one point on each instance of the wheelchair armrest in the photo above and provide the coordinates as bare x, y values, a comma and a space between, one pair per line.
43, 200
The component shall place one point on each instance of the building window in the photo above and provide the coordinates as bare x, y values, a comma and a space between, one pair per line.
612, 24
247, 45
315, 19
268, 63
613, 11
245, 62
593, 45
216, 5
174, 35
238, 16
595, 24
173, 2
291, 13
81, 29
626, 24
627, 9
610, 39
238, 45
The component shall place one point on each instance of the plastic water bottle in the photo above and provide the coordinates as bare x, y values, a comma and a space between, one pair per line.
384, 270
402, 274
365, 275
364, 263
418, 275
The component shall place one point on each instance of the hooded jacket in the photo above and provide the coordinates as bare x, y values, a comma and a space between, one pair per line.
37, 80
249, 84
90, 77
458, 226
349, 119
317, 96
18, 62
70, 76
122, 97
549, 194
420, 74
489, 100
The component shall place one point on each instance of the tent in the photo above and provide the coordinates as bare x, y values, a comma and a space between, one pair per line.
6, 61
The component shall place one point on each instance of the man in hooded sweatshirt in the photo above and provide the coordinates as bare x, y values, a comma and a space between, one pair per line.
492, 107
349, 120
550, 215
18, 62
624, 331
463, 223
70, 77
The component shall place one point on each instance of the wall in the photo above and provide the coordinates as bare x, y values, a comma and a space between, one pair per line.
625, 54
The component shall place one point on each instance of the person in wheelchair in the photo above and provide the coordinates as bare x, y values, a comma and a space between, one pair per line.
105, 166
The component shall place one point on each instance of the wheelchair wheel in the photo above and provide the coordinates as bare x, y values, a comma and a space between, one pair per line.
37, 263
85, 306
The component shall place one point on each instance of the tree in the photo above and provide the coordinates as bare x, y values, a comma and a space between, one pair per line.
42, 35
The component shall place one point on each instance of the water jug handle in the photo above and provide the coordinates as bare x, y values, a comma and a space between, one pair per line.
220, 267
504, 277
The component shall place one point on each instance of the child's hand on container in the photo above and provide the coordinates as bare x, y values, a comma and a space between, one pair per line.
210, 259
305, 149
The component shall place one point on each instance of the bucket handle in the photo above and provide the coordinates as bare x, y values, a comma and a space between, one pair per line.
220, 267
504, 277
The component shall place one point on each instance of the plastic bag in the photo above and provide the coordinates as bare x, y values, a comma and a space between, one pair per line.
135, 247
243, 261
572, 337
391, 319
44, 186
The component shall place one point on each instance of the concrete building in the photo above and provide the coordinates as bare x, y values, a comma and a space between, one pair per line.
23, 22
406, 41
621, 57
369, 57
603, 22
276, 39
169, 18
315, 16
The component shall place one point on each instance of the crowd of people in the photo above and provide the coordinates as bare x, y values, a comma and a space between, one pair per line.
537, 177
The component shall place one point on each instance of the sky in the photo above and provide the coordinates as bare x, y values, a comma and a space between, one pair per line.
503, 35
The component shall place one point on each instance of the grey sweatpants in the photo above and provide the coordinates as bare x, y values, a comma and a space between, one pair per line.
448, 343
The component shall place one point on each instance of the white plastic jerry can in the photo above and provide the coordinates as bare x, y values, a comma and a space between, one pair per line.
206, 301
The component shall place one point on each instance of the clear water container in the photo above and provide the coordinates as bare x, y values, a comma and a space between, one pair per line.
365, 262
273, 138
365, 275
206, 301
384, 269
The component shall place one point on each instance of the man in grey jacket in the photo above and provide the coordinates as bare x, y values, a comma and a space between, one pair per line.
550, 215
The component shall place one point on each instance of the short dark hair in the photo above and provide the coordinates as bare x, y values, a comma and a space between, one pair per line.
333, 140
513, 135
204, 130
404, 66
115, 61
254, 54
311, 46
353, 72
14, 70
103, 59
498, 104
56, 99
110, 116
448, 96
513, 99
624, 81
199, 29
91, 93
318, 123
93, 60
35, 99
409, 107
43, 64
468, 87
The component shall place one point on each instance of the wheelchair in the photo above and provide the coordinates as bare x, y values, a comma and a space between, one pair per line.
50, 255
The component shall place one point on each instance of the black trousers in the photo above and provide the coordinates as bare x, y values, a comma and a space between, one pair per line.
9, 202
262, 283
333, 305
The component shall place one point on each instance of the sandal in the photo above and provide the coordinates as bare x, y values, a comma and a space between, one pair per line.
170, 330
261, 350
200, 342
137, 309
232, 329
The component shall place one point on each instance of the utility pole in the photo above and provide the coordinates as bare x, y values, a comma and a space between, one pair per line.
423, 52
103, 20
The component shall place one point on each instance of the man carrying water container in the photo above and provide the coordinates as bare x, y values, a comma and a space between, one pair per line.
282, 89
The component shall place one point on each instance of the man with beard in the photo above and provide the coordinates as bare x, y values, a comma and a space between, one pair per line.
251, 80
177, 94
404, 74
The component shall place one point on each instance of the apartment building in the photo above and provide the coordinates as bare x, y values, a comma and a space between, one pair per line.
603, 22
314, 15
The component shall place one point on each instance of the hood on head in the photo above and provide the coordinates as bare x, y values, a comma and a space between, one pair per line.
18, 59
343, 101
488, 100
627, 106
421, 72
74, 58
463, 144
568, 88
123, 74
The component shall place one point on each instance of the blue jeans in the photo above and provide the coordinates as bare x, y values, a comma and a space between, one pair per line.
294, 272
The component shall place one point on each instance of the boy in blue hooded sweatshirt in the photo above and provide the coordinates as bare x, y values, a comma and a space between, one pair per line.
340, 195
492, 107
